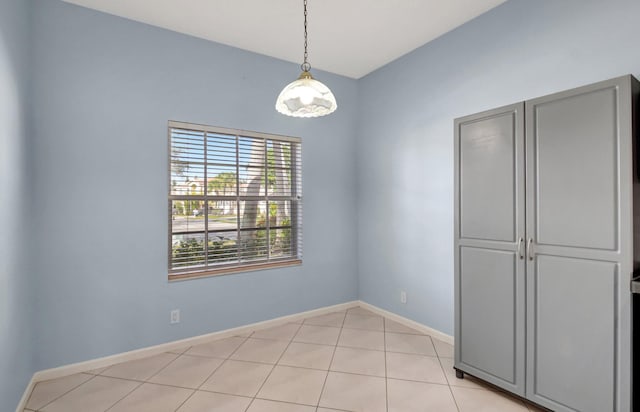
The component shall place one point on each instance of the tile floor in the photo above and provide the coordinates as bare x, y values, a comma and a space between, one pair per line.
353, 360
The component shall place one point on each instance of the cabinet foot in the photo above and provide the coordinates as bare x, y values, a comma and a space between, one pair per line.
459, 374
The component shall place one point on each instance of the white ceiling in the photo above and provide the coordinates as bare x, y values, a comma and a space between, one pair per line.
347, 37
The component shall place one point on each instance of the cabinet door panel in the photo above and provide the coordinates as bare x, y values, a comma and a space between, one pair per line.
572, 331
488, 312
487, 178
576, 164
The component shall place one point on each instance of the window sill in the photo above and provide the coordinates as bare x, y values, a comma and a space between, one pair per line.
174, 277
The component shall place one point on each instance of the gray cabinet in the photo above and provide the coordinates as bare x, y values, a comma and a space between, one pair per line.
544, 247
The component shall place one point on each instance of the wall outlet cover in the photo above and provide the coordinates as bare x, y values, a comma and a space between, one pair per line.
175, 316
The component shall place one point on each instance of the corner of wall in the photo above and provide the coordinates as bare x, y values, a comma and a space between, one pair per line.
16, 276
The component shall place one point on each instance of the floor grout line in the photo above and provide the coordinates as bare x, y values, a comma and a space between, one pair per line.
287, 402
449, 385
274, 367
50, 402
186, 399
141, 382
331, 361
214, 371
128, 393
159, 370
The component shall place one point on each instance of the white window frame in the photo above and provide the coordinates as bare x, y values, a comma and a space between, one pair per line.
295, 197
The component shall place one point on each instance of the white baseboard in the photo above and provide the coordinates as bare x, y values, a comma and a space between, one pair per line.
408, 322
25, 396
92, 364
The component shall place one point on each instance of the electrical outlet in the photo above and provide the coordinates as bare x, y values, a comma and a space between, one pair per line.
175, 316
403, 296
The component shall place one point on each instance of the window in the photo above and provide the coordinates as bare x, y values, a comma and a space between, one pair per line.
234, 201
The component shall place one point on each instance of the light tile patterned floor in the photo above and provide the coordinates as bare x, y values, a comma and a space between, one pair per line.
353, 361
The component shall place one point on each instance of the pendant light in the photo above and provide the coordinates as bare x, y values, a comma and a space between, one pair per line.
306, 97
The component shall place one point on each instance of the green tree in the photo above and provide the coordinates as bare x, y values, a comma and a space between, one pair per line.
178, 166
222, 184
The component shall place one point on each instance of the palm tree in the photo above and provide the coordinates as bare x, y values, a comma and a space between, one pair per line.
281, 187
222, 184
255, 179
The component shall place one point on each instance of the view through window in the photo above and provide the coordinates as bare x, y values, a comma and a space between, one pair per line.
234, 200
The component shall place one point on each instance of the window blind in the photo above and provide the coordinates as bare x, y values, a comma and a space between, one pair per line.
235, 199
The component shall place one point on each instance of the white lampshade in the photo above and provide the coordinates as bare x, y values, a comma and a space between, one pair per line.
306, 97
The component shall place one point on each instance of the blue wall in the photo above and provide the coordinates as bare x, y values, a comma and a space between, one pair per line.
104, 89
521, 49
16, 301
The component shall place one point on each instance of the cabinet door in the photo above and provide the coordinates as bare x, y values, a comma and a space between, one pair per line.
489, 264
578, 147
